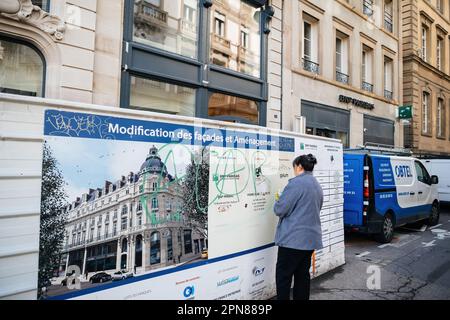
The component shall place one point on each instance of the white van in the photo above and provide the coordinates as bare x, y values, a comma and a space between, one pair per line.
440, 168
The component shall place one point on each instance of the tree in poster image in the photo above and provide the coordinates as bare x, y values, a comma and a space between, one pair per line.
196, 190
53, 219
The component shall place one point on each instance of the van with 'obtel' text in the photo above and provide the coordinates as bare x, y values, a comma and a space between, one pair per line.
382, 192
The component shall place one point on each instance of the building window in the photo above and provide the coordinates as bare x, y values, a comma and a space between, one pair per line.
219, 24
187, 241
368, 7
22, 69
114, 231
244, 38
342, 59
388, 78
326, 121
162, 97
426, 115
378, 131
154, 186
124, 245
233, 109
161, 24
124, 209
124, 223
139, 219
424, 43
43, 4
388, 15
310, 45
154, 204
366, 69
440, 119
155, 248
439, 53
236, 39
440, 5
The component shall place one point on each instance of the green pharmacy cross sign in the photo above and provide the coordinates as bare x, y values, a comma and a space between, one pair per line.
405, 112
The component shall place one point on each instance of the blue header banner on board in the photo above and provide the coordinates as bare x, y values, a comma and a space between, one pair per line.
92, 126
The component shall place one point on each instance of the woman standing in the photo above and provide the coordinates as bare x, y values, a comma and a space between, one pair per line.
299, 232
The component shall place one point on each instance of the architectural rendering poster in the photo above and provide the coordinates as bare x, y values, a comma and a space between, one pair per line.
138, 209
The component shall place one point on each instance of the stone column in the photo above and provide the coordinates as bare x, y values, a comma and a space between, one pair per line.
163, 250
144, 252
132, 253
84, 262
119, 254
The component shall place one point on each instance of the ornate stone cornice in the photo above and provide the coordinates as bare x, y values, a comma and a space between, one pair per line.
25, 12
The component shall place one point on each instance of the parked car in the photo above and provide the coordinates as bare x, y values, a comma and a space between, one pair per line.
383, 192
100, 277
439, 167
122, 274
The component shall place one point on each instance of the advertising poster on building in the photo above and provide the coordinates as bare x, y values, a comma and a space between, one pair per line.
140, 209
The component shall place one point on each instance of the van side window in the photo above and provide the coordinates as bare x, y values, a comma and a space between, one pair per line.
422, 173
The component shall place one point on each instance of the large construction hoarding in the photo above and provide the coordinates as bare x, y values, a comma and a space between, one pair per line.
168, 209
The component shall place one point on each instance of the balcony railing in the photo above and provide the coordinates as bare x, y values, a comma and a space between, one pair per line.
150, 14
342, 77
222, 41
189, 26
367, 7
388, 22
367, 86
311, 66
388, 94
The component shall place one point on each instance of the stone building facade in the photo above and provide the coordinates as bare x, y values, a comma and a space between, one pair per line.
343, 68
426, 75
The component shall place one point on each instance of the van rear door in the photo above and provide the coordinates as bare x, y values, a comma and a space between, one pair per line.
423, 183
353, 189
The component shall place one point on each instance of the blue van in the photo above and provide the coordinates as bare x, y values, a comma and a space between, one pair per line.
382, 192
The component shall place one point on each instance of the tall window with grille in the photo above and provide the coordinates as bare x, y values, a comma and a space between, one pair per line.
426, 128
342, 58
366, 69
310, 45
388, 78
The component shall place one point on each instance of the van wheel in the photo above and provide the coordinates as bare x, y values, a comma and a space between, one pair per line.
387, 231
434, 215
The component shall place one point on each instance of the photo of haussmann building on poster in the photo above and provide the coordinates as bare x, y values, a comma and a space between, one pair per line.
134, 224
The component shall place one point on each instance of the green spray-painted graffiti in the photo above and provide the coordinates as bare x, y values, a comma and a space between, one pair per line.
231, 176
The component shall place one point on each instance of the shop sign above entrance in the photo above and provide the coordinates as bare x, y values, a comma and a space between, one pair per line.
356, 102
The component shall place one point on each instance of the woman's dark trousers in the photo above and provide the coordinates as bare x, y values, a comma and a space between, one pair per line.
293, 263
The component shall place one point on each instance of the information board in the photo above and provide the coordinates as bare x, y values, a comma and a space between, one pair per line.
169, 210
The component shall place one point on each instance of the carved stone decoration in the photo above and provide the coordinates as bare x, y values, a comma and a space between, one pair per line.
24, 11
